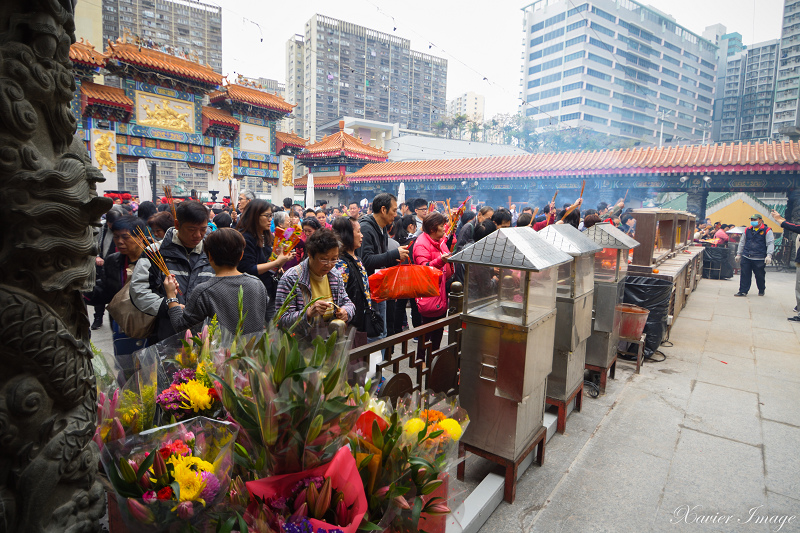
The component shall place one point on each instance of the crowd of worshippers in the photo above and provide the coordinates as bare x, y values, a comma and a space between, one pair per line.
207, 254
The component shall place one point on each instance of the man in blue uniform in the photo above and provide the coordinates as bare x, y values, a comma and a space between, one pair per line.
754, 253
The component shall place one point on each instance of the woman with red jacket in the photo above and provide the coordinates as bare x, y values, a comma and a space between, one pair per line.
430, 249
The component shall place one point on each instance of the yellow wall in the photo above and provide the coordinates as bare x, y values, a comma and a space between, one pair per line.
739, 213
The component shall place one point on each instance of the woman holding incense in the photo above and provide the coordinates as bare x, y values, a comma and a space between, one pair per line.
115, 273
220, 295
254, 224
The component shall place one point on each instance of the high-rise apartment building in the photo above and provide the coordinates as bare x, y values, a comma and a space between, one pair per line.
469, 104
295, 90
785, 121
356, 71
179, 27
185, 26
748, 94
616, 67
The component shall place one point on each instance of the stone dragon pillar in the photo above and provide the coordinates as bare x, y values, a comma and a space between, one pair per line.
50, 214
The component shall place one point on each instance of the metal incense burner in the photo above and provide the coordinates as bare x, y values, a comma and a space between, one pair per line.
574, 293
610, 269
508, 329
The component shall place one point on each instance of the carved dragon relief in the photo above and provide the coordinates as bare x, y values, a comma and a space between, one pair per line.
48, 462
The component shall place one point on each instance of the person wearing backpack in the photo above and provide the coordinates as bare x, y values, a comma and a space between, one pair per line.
430, 249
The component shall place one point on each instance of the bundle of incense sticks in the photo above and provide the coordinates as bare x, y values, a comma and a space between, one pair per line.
455, 217
573, 206
152, 253
171, 200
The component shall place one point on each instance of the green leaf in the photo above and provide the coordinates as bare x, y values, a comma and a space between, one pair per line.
431, 486
365, 461
146, 464
369, 526
331, 380
227, 526
314, 429
176, 489
377, 436
415, 511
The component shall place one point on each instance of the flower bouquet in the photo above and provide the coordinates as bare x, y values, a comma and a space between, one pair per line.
330, 497
403, 456
296, 405
190, 394
132, 408
165, 479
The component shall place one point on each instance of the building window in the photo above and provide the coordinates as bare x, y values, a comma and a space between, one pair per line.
596, 58
598, 74
575, 25
571, 101
570, 116
607, 16
596, 104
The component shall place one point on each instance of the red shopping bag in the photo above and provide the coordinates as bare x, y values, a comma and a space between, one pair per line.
404, 281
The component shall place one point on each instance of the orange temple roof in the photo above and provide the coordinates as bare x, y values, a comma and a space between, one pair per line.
763, 156
84, 52
93, 93
320, 182
341, 143
166, 63
290, 139
220, 116
248, 95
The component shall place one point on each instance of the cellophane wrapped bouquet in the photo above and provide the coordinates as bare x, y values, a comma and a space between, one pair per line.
132, 408
166, 479
187, 388
404, 455
292, 401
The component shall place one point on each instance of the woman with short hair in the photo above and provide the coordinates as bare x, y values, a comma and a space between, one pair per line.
315, 279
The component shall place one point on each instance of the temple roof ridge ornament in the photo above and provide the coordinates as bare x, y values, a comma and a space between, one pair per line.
249, 95
343, 145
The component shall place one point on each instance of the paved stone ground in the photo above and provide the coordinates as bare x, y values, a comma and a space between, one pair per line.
716, 425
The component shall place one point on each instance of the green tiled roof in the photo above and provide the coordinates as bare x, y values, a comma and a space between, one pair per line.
680, 202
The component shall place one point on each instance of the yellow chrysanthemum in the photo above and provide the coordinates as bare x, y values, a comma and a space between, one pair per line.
195, 396
413, 426
451, 428
190, 481
190, 461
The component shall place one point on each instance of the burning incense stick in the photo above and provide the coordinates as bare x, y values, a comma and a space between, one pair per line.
171, 200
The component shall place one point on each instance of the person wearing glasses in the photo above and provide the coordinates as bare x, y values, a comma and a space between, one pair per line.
421, 211
254, 225
317, 280
754, 253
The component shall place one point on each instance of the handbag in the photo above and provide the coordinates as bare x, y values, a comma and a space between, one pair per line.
373, 322
134, 323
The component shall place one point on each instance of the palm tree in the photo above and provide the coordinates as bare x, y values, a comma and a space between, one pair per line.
459, 121
474, 129
439, 127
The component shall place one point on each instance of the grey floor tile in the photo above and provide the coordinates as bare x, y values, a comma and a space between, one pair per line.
778, 365
724, 412
728, 371
779, 400
782, 459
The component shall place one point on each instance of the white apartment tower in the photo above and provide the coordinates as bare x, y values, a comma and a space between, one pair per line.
350, 70
787, 90
469, 104
616, 67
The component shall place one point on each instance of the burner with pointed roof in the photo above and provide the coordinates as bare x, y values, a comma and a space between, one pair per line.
508, 326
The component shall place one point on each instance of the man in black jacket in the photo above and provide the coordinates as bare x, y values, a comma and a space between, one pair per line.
182, 250
374, 251
105, 247
785, 224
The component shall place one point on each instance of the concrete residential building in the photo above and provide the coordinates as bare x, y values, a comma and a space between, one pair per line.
356, 71
612, 66
730, 44
785, 121
469, 104
184, 25
749, 93
178, 27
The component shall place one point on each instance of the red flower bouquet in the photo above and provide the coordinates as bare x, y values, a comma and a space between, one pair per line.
332, 491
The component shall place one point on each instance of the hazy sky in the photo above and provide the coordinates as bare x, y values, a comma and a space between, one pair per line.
479, 39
